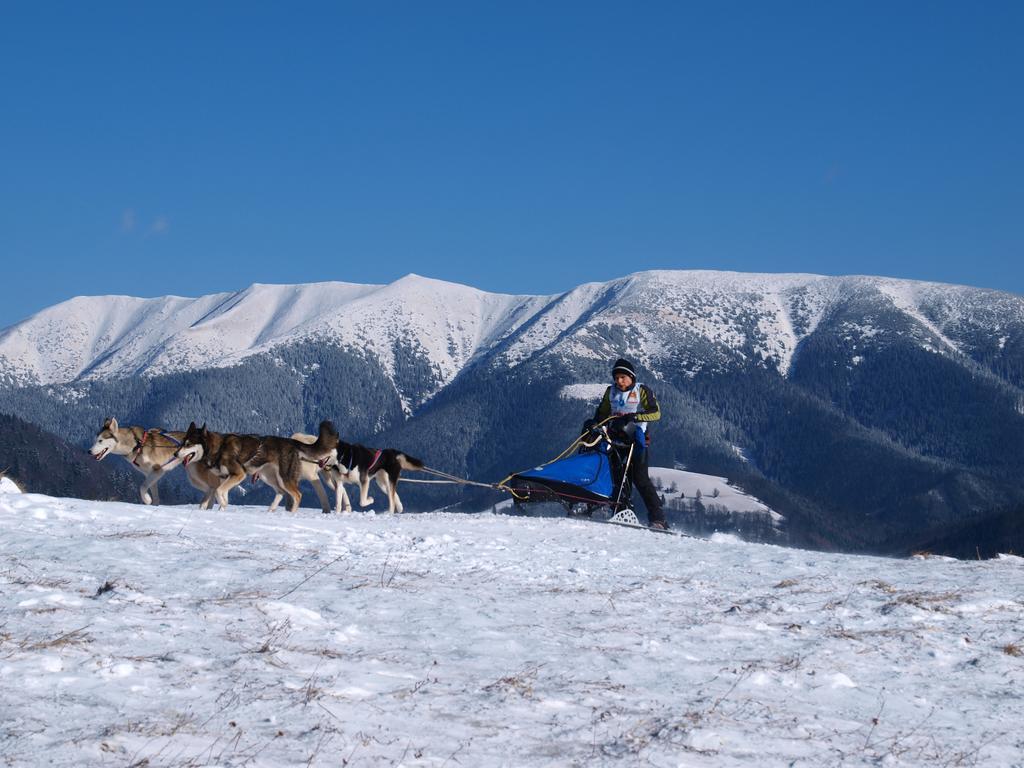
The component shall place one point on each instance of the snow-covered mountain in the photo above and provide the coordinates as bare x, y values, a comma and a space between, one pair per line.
174, 636
116, 336
692, 320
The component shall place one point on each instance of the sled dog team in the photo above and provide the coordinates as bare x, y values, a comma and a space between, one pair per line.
216, 462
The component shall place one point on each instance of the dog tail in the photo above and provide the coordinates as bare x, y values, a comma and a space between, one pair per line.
405, 461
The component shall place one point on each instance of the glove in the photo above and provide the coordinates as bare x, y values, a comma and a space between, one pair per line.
589, 425
623, 419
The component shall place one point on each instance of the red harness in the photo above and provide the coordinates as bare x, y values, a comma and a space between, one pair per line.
138, 449
373, 464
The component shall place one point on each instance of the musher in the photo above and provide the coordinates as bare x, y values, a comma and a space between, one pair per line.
634, 407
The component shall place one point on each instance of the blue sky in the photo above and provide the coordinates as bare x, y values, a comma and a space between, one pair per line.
520, 147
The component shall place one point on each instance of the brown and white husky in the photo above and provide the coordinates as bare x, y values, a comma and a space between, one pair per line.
151, 452
232, 457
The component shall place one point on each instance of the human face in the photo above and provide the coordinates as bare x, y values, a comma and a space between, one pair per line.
623, 381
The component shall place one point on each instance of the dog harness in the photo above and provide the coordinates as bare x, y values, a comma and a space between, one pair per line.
373, 464
140, 444
352, 460
138, 447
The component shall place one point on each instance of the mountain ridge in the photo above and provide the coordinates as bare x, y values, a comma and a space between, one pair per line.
110, 336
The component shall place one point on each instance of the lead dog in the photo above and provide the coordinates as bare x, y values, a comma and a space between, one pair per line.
151, 452
354, 463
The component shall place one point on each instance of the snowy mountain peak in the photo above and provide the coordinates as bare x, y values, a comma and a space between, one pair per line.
696, 319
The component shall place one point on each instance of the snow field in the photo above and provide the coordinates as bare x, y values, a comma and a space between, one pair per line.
688, 483
171, 636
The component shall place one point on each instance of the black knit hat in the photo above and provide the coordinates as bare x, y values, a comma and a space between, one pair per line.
624, 366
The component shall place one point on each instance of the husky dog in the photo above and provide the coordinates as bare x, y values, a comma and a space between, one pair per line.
313, 450
231, 457
353, 463
314, 473
151, 452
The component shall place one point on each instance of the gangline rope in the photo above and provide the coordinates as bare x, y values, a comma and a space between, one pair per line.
449, 479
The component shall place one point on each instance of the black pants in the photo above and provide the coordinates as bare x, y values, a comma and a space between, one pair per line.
642, 482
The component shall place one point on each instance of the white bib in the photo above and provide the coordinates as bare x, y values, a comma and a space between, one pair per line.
626, 402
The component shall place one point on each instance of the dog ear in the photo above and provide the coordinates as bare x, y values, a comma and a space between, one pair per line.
203, 429
191, 426
111, 424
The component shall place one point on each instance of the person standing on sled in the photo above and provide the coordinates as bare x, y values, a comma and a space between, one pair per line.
633, 407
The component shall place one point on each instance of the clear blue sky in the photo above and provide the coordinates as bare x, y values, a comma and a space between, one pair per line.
154, 148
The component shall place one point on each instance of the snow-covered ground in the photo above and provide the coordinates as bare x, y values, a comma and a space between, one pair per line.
176, 637
592, 393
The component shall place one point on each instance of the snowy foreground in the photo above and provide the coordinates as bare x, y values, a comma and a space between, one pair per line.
175, 637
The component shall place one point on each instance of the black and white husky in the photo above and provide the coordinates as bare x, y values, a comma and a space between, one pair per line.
353, 463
